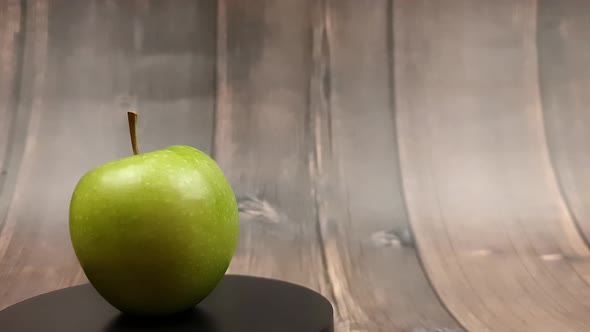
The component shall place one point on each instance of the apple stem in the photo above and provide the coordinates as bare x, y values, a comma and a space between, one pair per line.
132, 117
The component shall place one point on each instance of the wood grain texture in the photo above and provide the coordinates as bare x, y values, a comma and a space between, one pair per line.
564, 59
10, 44
421, 163
372, 265
262, 139
77, 86
493, 231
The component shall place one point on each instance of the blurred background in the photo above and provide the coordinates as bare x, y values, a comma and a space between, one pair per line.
423, 164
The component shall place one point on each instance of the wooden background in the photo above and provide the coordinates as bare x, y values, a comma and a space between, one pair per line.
423, 164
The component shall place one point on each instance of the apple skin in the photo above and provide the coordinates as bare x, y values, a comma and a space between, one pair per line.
155, 232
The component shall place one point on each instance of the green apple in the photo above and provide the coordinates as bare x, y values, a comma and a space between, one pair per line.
154, 232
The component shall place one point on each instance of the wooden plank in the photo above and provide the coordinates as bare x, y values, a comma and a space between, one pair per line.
263, 140
10, 44
492, 229
372, 264
23, 120
564, 29
80, 82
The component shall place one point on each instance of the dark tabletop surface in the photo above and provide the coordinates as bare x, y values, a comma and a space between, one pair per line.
423, 164
238, 304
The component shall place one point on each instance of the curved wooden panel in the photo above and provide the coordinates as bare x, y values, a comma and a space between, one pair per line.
10, 55
371, 262
10, 30
493, 231
564, 59
78, 85
301, 103
262, 137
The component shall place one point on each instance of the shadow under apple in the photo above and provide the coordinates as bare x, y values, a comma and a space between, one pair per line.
193, 320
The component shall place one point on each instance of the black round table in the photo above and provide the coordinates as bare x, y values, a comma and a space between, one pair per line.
238, 304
